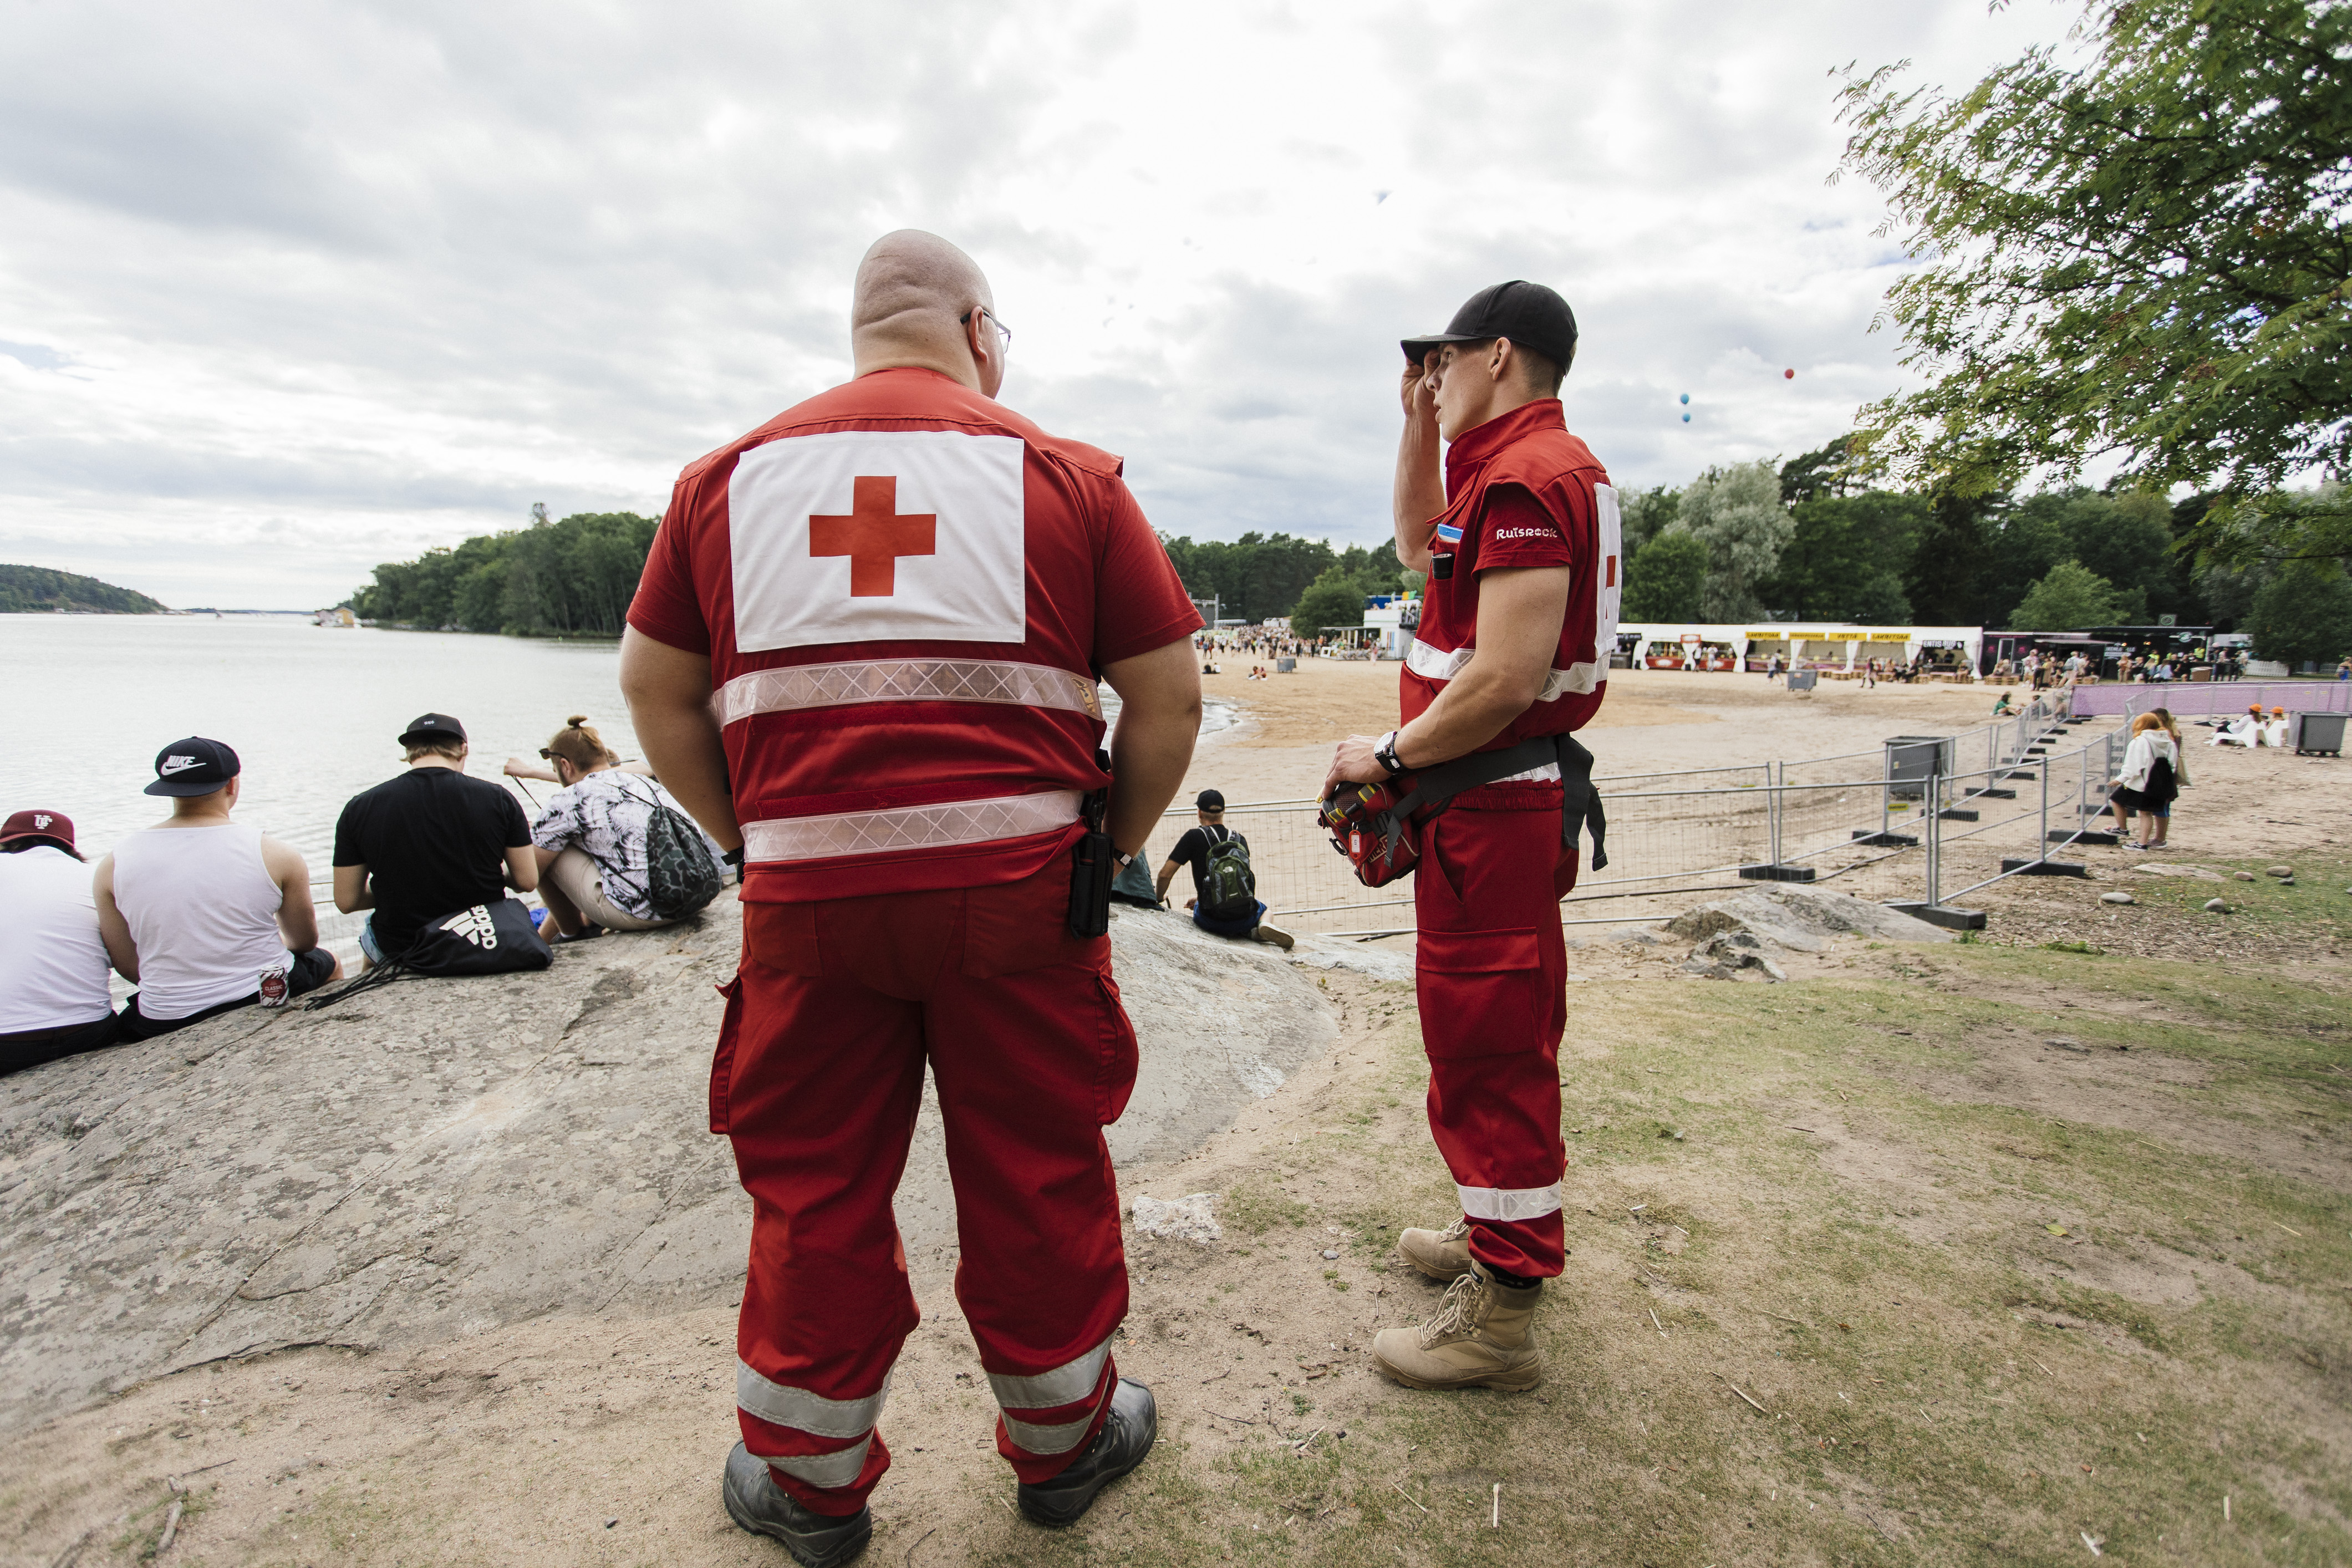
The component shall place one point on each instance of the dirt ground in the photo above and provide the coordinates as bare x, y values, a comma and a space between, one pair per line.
2013, 1251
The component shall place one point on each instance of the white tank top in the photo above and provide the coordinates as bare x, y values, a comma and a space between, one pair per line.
203, 912
52, 963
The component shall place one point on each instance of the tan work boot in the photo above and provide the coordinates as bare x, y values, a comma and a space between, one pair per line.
1440, 1254
1481, 1337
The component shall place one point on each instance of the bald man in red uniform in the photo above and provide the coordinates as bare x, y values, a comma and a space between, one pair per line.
1519, 537
864, 655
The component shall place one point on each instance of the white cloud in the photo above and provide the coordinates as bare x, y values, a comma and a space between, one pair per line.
291, 289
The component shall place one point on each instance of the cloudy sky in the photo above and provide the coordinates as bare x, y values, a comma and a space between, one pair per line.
290, 289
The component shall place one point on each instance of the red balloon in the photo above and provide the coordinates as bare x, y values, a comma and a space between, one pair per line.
1788, 375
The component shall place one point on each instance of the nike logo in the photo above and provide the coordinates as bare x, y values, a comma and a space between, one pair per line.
178, 765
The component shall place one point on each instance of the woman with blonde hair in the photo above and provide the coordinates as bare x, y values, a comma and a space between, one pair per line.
593, 837
2149, 782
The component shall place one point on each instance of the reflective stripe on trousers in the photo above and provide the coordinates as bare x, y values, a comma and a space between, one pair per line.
908, 827
781, 1405
800, 687
1066, 1385
1508, 1203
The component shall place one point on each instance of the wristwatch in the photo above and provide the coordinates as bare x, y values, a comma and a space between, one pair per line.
1385, 753
1124, 860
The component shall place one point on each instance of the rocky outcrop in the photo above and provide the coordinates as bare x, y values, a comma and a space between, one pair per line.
1756, 931
437, 1158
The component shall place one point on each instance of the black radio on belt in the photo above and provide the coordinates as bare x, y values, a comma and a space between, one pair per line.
1093, 864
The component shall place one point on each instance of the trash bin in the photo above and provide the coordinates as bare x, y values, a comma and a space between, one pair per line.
1803, 680
2317, 734
1285, 667
1911, 760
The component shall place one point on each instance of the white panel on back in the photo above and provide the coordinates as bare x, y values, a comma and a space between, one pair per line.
1611, 566
875, 535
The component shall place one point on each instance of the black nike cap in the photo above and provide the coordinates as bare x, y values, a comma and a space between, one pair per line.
1527, 313
194, 766
1210, 801
432, 727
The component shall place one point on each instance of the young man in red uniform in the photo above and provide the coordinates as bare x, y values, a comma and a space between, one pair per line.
1519, 537
864, 655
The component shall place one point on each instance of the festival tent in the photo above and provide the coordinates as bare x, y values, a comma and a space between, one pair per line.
1804, 645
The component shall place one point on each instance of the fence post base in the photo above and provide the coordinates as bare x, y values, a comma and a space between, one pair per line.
2046, 868
1940, 914
1778, 873
1891, 840
2083, 835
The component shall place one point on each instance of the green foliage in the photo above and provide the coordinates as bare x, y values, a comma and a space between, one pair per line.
2071, 597
1844, 558
1260, 578
1334, 599
31, 588
2143, 255
1643, 515
1736, 513
2303, 613
1665, 580
573, 578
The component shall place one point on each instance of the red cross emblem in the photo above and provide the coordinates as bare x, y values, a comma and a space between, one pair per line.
874, 536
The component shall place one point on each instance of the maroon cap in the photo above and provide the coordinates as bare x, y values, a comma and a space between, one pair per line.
54, 825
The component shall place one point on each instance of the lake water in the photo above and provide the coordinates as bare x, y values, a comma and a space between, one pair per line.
314, 713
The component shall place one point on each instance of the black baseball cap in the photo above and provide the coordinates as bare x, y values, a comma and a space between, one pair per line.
194, 766
432, 727
1530, 314
1211, 800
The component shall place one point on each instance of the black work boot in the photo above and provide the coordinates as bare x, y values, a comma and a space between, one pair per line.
816, 1540
1127, 1435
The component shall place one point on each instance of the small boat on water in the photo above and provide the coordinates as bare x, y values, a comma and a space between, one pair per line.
340, 615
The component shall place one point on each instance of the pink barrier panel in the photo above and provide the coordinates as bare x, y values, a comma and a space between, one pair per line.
2184, 696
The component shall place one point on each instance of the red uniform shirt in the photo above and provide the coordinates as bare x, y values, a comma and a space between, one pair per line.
908, 593
1521, 491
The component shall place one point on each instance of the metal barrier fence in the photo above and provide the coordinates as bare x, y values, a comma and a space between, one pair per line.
1675, 833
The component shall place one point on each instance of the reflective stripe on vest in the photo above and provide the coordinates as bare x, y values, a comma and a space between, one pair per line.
1065, 1385
909, 828
904, 680
840, 1468
781, 1404
1579, 677
1509, 1203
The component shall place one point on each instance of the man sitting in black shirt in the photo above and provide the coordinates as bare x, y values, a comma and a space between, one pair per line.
1241, 916
428, 843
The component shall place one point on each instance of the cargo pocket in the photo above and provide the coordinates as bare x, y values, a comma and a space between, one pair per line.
1481, 992
782, 937
1115, 1069
722, 1061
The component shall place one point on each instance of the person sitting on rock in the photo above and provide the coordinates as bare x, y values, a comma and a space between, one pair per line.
1224, 901
53, 997
428, 843
590, 842
203, 913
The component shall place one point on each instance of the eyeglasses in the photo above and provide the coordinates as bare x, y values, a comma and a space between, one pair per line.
1003, 333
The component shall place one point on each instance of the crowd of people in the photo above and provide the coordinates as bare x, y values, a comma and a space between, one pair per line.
203, 914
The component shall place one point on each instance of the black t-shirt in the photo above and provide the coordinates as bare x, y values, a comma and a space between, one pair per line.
433, 842
1193, 849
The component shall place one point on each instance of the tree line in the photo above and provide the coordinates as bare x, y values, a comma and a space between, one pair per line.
24, 589
1814, 538
570, 578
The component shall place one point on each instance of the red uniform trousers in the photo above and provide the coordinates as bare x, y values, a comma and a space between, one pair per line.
817, 1080
1491, 971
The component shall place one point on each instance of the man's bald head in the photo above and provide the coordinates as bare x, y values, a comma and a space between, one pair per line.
913, 292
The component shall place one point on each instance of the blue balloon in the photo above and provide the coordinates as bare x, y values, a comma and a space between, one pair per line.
1686, 418
1685, 397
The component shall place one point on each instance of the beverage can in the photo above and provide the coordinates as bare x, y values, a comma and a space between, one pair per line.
273, 986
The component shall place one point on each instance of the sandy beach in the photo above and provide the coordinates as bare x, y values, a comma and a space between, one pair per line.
1652, 720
